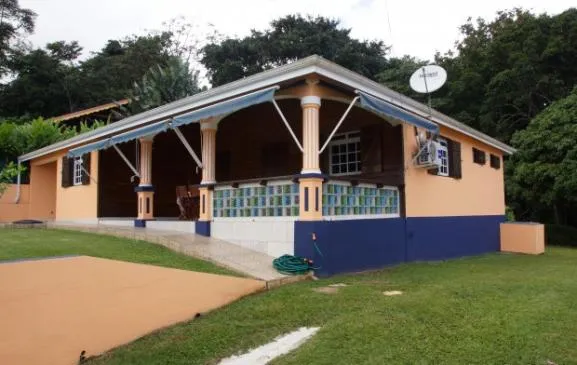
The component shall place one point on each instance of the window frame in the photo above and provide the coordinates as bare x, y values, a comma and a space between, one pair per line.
346, 138
479, 156
444, 169
495, 161
77, 172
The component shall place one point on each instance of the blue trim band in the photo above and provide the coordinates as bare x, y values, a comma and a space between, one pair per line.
312, 175
144, 188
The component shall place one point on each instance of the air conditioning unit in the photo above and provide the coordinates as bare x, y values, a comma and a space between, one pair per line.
428, 156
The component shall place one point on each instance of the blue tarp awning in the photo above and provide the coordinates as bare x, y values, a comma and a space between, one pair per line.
388, 110
100, 145
226, 107
218, 109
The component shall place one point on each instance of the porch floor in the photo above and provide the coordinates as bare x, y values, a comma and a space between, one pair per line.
248, 262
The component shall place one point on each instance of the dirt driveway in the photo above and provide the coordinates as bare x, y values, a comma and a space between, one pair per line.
52, 309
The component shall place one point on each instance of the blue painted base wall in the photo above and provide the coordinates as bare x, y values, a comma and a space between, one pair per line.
351, 245
356, 245
440, 238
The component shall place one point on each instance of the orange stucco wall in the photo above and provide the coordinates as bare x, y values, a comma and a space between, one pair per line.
480, 191
77, 202
9, 211
43, 190
523, 237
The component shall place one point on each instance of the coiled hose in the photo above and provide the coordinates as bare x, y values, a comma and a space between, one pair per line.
295, 265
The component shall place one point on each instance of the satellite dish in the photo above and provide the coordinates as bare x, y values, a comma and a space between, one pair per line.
428, 79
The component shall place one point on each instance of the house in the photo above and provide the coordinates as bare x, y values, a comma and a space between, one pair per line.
303, 155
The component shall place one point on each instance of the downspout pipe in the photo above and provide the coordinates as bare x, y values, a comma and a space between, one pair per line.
18, 185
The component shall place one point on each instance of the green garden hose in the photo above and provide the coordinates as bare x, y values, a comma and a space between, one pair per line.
295, 265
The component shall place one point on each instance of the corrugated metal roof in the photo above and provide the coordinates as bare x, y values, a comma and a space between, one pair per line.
298, 69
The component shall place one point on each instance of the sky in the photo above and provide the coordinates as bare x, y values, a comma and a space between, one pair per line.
416, 28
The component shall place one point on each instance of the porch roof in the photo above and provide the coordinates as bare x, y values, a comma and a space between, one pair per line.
214, 110
307, 66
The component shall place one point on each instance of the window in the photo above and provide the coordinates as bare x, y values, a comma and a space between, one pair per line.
77, 170
495, 162
345, 154
479, 156
449, 153
443, 153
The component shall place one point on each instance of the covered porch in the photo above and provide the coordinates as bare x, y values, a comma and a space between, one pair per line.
251, 166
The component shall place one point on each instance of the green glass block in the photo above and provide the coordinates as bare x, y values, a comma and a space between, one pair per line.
295, 211
270, 212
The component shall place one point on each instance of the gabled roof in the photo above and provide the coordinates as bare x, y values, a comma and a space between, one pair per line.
310, 65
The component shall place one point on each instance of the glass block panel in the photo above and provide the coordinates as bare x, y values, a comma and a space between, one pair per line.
257, 201
339, 199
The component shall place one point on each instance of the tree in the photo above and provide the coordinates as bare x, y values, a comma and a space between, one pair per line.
14, 21
162, 85
543, 173
291, 38
46, 83
110, 74
7, 174
507, 71
397, 74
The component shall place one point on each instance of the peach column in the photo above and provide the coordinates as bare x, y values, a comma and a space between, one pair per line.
311, 181
208, 130
145, 190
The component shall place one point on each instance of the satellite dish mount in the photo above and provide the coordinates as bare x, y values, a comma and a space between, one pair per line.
427, 79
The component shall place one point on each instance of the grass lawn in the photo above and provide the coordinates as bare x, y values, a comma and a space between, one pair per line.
492, 309
30, 243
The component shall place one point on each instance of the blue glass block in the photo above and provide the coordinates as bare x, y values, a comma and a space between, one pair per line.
262, 201
254, 212
287, 200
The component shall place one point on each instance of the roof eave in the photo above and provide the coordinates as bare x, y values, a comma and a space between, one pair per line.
309, 65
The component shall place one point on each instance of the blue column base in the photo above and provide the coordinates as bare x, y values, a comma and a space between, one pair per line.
202, 228
140, 223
